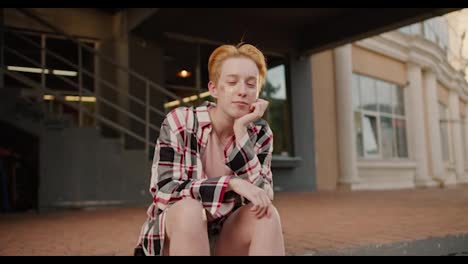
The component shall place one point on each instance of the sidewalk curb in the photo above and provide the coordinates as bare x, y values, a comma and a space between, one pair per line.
451, 245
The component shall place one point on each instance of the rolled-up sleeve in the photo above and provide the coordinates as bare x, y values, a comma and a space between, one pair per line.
251, 160
171, 180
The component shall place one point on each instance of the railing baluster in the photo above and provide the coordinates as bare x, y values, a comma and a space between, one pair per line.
43, 80
97, 88
80, 87
147, 118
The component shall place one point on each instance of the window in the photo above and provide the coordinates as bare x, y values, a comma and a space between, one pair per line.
444, 132
69, 51
27, 45
379, 118
414, 29
435, 30
371, 136
277, 114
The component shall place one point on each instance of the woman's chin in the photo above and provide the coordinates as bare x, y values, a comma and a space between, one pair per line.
238, 114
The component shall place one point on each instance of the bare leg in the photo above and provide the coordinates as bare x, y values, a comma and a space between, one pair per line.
244, 234
186, 230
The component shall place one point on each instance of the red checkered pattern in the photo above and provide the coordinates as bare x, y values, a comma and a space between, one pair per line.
177, 170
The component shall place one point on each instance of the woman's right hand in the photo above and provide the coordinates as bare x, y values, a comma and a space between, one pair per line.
257, 196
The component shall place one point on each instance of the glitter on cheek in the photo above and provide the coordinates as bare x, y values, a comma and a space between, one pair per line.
229, 89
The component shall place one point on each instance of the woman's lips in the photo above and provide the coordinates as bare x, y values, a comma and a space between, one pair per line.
241, 103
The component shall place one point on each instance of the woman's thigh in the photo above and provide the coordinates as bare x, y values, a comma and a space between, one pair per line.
236, 233
186, 213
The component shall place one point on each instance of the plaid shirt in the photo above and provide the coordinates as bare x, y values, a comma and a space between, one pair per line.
177, 171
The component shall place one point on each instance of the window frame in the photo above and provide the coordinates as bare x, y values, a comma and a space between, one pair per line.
378, 114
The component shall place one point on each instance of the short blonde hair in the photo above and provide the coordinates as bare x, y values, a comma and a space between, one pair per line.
224, 52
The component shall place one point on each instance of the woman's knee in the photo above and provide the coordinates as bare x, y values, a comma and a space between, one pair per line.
274, 213
269, 221
272, 219
186, 216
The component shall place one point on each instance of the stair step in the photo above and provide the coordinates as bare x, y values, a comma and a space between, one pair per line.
112, 144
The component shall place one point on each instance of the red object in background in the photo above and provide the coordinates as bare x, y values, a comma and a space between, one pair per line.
5, 152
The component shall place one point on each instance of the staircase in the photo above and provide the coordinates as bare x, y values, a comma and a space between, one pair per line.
79, 165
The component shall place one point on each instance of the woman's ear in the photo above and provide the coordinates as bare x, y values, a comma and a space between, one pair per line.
213, 89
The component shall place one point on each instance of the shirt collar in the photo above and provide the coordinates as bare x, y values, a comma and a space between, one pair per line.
202, 113
204, 117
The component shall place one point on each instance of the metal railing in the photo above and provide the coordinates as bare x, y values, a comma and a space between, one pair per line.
41, 86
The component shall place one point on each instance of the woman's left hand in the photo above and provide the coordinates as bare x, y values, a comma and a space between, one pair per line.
257, 110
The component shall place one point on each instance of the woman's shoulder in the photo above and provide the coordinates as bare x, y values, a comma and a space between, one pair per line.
189, 110
183, 116
179, 110
180, 113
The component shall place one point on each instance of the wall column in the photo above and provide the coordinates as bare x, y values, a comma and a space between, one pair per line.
433, 119
454, 112
418, 131
347, 161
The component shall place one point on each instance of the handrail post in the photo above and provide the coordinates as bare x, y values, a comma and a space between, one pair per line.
147, 118
97, 86
198, 78
2, 44
43, 79
80, 87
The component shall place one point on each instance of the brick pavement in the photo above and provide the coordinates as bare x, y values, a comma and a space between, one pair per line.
312, 222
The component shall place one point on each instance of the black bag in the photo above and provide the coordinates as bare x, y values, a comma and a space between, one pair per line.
138, 251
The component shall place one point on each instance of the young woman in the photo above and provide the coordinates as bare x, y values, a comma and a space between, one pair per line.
211, 177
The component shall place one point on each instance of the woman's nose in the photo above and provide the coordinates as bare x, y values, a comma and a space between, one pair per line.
242, 90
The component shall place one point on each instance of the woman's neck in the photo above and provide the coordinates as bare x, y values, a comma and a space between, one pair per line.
222, 124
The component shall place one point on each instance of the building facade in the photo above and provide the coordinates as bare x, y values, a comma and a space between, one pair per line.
390, 111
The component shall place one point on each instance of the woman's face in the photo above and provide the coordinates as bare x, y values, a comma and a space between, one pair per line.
237, 87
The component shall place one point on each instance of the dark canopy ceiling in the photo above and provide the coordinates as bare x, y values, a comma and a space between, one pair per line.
303, 30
